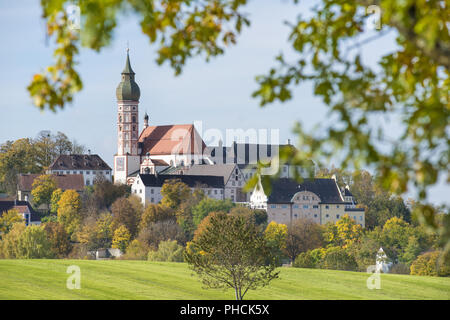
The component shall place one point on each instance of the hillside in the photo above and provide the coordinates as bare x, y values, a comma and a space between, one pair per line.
109, 279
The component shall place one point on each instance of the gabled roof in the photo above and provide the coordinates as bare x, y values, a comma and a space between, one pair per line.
64, 182
150, 180
171, 139
20, 206
284, 189
79, 162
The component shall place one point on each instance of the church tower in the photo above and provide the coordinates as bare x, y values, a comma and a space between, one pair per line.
127, 159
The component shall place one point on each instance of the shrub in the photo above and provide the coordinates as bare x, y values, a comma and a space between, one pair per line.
399, 268
338, 258
26, 243
136, 251
304, 260
431, 264
169, 251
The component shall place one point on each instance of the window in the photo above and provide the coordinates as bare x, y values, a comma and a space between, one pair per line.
152, 191
67, 172
315, 216
296, 206
215, 191
284, 206
134, 119
88, 182
305, 206
88, 172
337, 206
237, 172
327, 207
315, 206
337, 216
273, 206
140, 190
360, 218
327, 215
74, 172
152, 200
237, 178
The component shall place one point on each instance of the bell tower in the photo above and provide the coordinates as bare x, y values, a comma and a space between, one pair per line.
127, 159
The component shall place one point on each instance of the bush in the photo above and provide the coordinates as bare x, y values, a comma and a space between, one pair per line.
169, 251
136, 251
431, 264
304, 260
399, 268
26, 243
337, 258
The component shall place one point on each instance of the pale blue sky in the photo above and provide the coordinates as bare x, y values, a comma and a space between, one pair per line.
217, 93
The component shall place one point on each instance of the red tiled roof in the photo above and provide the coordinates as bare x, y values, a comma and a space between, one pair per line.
171, 139
63, 181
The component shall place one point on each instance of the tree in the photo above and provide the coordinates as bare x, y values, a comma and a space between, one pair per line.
8, 245
121, 238
303, 235
56, 196
17, 157
62, 144
154, 213
276, 236
159, 231
208, 205
231, 253
105, 193
45, 148
338, 258
7, 220
258, 216
97, 232
174, 192
125, 214
59, 239
42, 190
69, 207
26, 243
168, 250
431, 264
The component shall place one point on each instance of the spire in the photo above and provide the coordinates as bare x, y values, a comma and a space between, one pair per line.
128, 69
128, 88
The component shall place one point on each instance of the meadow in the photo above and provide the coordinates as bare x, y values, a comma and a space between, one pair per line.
125, 279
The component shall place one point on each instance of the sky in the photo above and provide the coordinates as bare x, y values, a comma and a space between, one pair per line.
216, 94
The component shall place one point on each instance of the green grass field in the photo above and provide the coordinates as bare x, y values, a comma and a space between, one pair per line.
116, 279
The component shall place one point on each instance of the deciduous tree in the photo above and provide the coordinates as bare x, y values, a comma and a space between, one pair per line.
232, 253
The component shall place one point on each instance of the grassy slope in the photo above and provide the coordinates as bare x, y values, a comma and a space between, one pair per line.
46, 279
